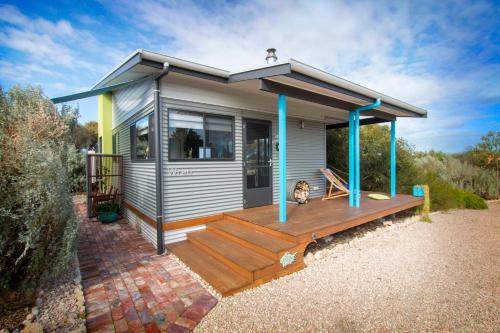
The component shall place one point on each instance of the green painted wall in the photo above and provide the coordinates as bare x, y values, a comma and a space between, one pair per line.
104, 122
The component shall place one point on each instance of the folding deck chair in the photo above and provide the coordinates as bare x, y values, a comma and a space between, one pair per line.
336, 182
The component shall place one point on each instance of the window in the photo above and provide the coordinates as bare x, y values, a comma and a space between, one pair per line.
142, 139
116, 142
199, 136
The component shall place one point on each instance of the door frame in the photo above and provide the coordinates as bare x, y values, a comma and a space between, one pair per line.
243, 157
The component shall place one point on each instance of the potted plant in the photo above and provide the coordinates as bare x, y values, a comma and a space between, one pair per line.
107, 212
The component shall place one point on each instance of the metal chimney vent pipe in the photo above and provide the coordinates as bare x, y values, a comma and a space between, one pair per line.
271, 55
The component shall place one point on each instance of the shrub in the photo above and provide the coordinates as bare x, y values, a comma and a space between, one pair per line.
107, 207
472, 201
37, 223
445, 196
76, 169
471, 178
375, 158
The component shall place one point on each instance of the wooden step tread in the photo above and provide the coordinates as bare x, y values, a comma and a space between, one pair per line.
218, 275
259, 238
236, 253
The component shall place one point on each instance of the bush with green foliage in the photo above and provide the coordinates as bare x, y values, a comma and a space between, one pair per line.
450, 180
374, 155
461, 174
108, 207
37, 223
76, 169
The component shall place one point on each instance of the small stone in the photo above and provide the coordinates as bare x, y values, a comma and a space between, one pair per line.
327, 239
309, 259
387, 223
30, 317
35, 311
318, 255
33, 328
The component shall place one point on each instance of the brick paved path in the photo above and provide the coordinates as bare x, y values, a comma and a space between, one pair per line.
128, 288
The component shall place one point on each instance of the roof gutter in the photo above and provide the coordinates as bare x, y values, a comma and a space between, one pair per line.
160, 243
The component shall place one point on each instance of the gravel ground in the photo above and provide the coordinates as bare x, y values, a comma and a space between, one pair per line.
412, 276
62, 303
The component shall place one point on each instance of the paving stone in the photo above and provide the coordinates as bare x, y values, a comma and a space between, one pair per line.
178, 329
188, 323
128, 288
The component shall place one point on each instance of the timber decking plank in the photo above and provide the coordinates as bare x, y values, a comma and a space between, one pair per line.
218, 275
319, 214
247, 234
232, 251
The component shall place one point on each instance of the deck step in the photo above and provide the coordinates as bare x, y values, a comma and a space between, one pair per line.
258, 241
217, 274
245, 261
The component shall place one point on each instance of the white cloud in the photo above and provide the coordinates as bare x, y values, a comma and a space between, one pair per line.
52, 48
431, 54
404, 50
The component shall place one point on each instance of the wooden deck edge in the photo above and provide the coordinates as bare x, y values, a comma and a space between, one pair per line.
306, 237
272, 232
179, 224
143, 216
168, 226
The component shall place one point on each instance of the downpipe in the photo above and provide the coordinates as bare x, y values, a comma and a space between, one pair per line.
160, 243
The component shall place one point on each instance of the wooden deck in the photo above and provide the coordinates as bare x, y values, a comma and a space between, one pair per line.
324, 217
243, 248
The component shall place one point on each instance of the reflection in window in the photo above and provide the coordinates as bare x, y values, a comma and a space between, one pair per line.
219, 137
198, 136
142, 138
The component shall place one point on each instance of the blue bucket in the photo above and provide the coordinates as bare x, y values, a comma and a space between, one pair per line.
418, 191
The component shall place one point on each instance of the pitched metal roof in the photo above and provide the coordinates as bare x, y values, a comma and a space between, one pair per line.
291, 74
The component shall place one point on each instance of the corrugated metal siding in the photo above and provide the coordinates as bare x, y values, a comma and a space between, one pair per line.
130, 100
180, 235
215, 187
141, 226
306, 152
209, 187
138, 177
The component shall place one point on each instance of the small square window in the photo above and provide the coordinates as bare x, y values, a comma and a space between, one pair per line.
142, 139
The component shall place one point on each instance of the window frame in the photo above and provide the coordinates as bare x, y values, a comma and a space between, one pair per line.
204, 115
99, 145
113, 143
151, 143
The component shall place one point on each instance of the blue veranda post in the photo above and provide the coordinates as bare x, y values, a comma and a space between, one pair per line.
351, 159
282, 156
393, 158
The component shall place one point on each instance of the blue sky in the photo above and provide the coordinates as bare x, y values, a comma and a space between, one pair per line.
439, 55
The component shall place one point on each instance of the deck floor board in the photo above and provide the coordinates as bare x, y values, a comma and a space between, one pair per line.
319, 214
